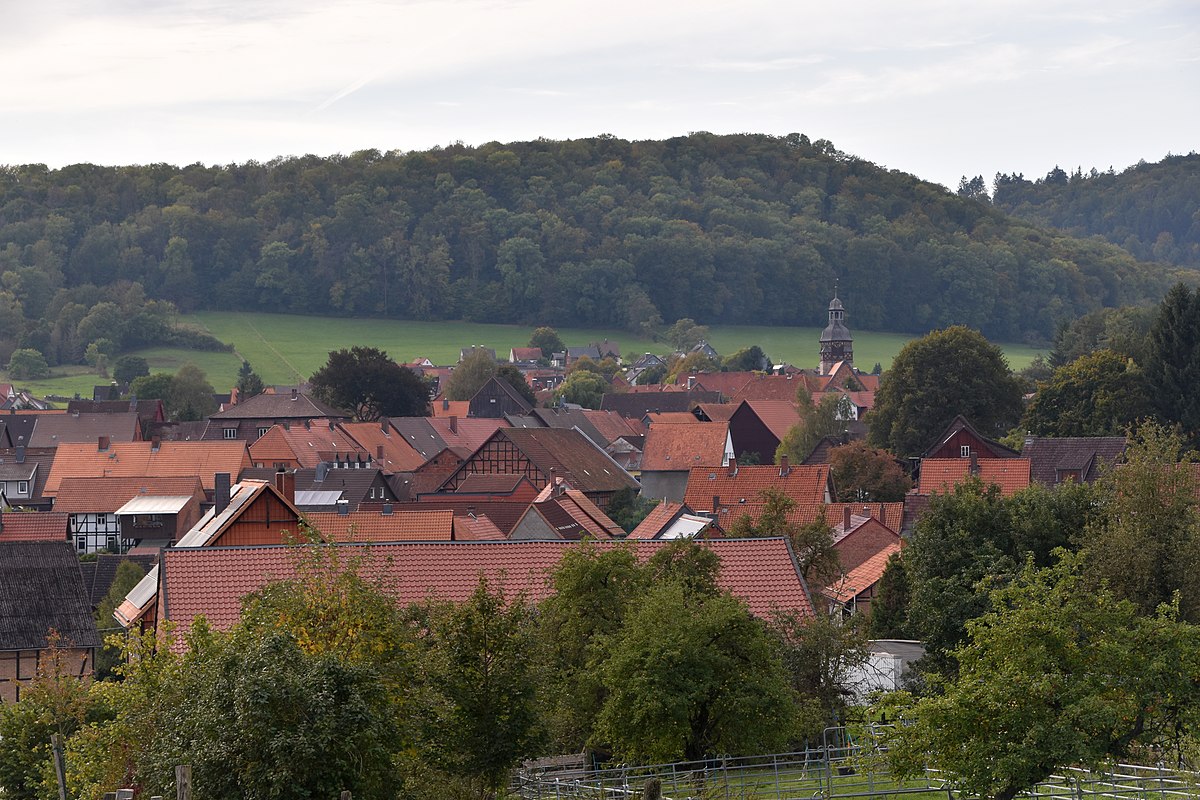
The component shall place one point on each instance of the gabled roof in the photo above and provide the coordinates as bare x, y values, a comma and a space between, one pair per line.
890, 514
41, 588
469, 528
564, 418
138, 459
526, 353
43, 457
52, 430
961, 423
779, 416
1088, 455
351, 484
637, 404
497, 385
738, 489
398, 526
19, 425
671, 521
498, 484
444, 407
214, 523
280, 406
572, 515
772, 387
388, 448
465, 434
106, 495
309, 445
943, 474
211, 581
568, 453
716, 412
862, 577
504, 514
33, 526
727, 383
681, 446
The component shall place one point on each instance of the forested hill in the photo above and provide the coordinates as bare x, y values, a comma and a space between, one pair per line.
723, 229
1151, 210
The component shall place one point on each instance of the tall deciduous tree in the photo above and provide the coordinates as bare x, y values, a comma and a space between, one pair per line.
191, 395
368, 381
548, 340
1099, 394
583, 388
933, 379
470, 375
862, 473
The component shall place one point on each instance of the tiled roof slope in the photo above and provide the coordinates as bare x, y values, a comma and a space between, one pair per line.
211, 581
727, 383
1088, 454
504, 514
674, 447
106, 495
635, 405
778, 415
770, 387
137, 459
862, 577
52, 430
943, 474
573, 457
738, 489
33, 526
105, 570
388, 448
41, 587
659, 517
280, 406
399, 526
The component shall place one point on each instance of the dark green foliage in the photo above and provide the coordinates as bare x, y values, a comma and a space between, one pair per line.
933, 379
583, 388
191, 395
151, 387
1148, 209
548, 340
1173, 362
685, 334
513, 377
742, 229
747, 359
27, 365
1100, 394
628, 508
1123, 330
862, 474
889, 606
820, 653
129, 368
367, 381
127, 576
249, 383
470, 375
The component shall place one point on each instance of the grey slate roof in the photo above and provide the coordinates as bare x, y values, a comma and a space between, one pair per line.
1086, 454
280, 406
41, 588
635, 405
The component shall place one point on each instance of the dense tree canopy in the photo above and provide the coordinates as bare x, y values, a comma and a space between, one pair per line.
367, 381
862, 473
1099, 394
1173, 361
748, 229
933, 379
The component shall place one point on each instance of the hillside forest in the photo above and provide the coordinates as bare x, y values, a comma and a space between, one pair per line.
593, 232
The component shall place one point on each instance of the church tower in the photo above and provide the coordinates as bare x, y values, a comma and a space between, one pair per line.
836, 342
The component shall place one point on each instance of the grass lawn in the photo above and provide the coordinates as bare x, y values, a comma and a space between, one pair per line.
285, 348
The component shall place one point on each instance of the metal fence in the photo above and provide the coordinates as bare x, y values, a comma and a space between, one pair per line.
839, 768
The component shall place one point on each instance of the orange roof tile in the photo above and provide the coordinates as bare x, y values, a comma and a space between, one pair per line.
943, 474
479, 528
611, 425
399, 526
862, 577
202, 459
772, 387
212, 580
451, 408
681, 446
309, 446
468, 433
890, 514
380, 437
778, 415
106, 495
727, 383
738, 490
659, 517
33, 526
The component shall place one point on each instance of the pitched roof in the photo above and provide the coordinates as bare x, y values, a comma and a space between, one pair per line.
637, 404
138, 459
669, 520
212, 580
943, 474
52, 430
569, 453
961, 423
504, 514
280, 406
890, 514
443, 407
738, 489
681, 446
771, 387
1086, 454
569, 512
717, 412
43, 457
398, 526
469, 528
670, 418
241, 496
499, 484
862, 577
106, 495
388, 448
526, 353
104, 570
309, 445
41, 588
33, 526
778, 415
465, 434
727, 383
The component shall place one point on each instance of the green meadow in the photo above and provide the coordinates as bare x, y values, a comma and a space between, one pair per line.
285, 348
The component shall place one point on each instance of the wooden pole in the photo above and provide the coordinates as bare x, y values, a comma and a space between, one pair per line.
345, 795
60, 768
183, 782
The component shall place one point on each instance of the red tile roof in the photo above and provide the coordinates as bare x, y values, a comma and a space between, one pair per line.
106, 495
676, 447
380, 437
33, 526
943, 474
727, 383
137, 459
308, 446
450, 408
504, 514
468, 433
659, 517
778, 415
469, 528
890, 514
862, 577
399, 526
770, 387
738, 489
211, 581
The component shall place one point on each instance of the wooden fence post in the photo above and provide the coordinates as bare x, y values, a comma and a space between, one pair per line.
183, 782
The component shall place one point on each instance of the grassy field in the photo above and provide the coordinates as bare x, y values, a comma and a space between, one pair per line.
286, 348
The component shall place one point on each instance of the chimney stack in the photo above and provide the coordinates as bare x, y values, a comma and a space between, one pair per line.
784, 469
379, 452
20, 454
384, 424
155, 443
343, 507
102, 443
285, 484
453, 423
846, 520
716, 504
220, 492
295, 393
974, 463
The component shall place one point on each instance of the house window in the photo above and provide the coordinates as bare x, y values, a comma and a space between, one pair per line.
110, 543
81, 544
262, 432
964, 451
23, 487
229, 433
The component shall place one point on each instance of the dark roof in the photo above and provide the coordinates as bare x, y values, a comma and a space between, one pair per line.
52, 430
1086, 454
41, 588
104, 570
19, 427
420, 435
352, 483
280, 406
42, 456
636, 405
572, 456
569, 418
147, 410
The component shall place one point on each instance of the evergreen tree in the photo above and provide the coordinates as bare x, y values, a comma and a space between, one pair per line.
1173, 364
249, 383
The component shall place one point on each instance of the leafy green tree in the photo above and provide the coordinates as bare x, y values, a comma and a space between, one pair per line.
368, 381
825, 418
129, 368
652, 375
98, 354
1145, 547
470, 375
933, 379
1173, 362
1061, 673
627, 508
820, 653
889, 606
747, 359
548, 340
691, 363
1124, 330
685, 334
863, 474
27, 364
582, 388
484, 715
127, 576
693, 676
191, 395
249, 384
812, 543
1099, 394
514, 378
151, 387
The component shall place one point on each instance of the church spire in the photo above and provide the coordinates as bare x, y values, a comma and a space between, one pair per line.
836, 342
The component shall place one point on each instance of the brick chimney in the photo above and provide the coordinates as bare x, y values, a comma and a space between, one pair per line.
285, 484
846, 519
155, 443
220, 492
974, 463
784, 469
102, 443
379, 452
453, 423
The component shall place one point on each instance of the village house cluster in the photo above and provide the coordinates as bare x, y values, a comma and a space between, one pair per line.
490, 485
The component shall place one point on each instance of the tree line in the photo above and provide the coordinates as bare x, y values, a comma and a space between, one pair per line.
748, 229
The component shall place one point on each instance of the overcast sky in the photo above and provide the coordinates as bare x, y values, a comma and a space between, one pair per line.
938, 89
